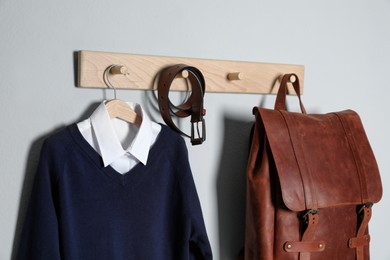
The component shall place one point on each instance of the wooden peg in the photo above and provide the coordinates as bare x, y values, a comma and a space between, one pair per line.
183, 74
119, 69
292, 78
235, 76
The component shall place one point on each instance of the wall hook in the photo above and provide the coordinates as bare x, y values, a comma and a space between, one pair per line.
292, 78
236, 76
113, 69
118, 69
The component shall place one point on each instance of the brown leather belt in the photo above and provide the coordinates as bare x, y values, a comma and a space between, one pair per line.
193, 106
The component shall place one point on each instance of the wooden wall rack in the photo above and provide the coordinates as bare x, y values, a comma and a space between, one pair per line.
140, 71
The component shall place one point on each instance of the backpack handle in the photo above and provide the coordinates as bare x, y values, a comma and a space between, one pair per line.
280, 103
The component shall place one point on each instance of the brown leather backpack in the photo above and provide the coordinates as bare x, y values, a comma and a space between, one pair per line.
311, 182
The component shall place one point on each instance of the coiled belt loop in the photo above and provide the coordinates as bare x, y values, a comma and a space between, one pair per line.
193, 106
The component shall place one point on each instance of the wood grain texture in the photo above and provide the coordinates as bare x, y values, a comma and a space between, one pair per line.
143, 70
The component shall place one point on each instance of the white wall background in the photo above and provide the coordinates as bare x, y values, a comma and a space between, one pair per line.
344, 45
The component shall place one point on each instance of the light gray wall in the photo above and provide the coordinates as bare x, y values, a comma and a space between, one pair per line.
344, 45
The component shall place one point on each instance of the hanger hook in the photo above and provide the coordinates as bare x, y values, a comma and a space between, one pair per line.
106, 78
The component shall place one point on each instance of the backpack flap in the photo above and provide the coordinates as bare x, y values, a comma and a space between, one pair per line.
322, 160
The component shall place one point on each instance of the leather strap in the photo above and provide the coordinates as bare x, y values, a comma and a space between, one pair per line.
361, 238
193, 106
311, 217
301, 246
357, 242
280, 103
307, 245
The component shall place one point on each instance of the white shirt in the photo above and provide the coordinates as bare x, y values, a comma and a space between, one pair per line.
120, 144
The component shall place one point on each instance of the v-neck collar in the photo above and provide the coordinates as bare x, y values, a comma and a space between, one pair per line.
121, 179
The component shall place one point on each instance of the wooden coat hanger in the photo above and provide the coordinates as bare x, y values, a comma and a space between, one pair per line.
118, 108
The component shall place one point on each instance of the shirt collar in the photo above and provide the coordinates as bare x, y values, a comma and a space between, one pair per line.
109, 145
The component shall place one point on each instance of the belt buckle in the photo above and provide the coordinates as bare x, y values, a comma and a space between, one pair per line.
201, 136
310, 211
365, 205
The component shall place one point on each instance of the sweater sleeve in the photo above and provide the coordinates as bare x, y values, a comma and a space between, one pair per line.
198, 244
39, 238
198, 241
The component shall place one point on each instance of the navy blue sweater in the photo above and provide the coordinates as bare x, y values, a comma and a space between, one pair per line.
80, 209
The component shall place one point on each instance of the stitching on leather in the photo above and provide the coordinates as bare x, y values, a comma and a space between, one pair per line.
352, 145
307, 189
